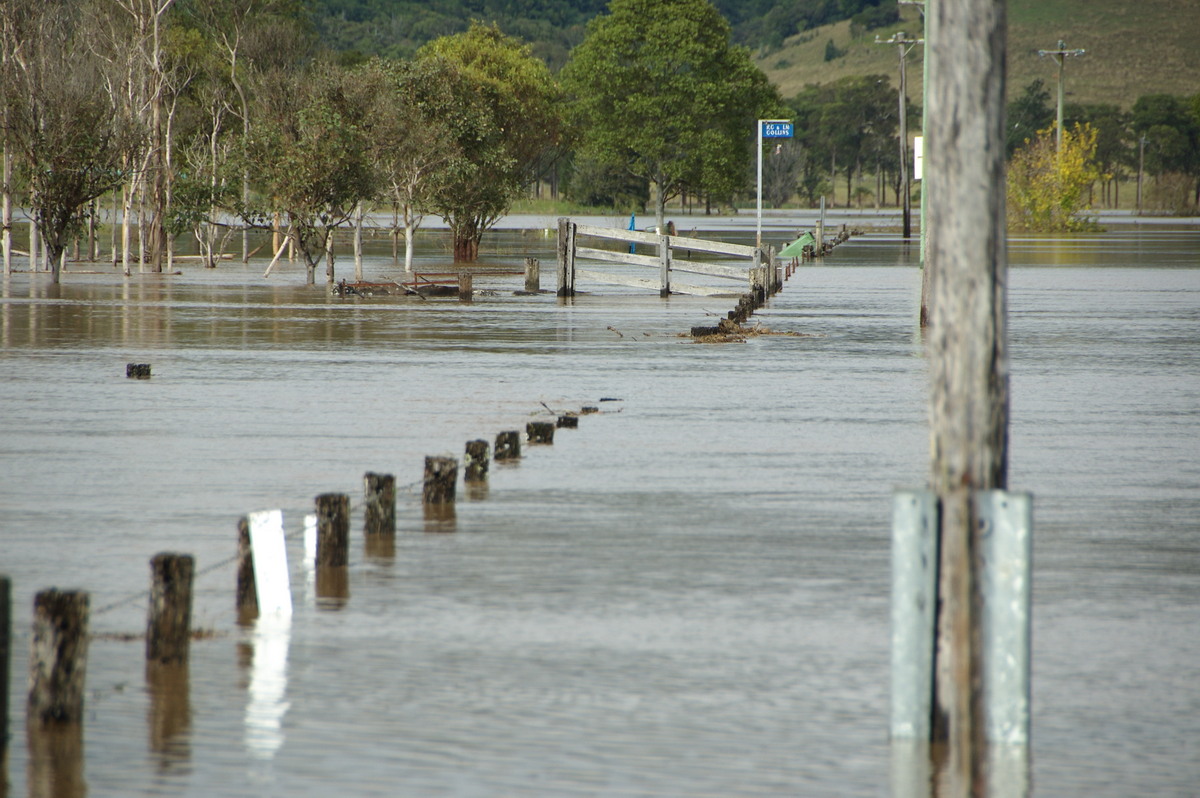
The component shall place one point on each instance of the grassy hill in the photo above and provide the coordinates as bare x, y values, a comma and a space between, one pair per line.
1132, 49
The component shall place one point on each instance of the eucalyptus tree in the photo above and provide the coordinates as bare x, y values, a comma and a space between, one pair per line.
74, 140
411, 143
261, 43
503, 111
658, 89
311, 157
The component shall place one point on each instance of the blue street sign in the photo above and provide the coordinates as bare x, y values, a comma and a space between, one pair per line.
777, 130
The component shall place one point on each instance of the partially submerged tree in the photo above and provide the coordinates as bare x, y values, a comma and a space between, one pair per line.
503, 112
659, 90
312, 160
411, 146
1048, 189
74, 141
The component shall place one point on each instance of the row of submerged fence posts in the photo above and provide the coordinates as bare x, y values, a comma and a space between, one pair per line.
61, 618
58, 667
262, 577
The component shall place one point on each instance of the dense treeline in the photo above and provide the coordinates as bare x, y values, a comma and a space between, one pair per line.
396, 28
206, 118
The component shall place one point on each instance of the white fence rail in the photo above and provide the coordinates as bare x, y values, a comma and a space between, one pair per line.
761, 272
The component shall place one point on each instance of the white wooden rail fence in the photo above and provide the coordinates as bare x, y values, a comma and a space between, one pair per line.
761, 272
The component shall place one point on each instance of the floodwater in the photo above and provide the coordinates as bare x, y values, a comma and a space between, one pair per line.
687, 595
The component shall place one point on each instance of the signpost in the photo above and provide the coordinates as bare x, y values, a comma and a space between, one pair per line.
768, 129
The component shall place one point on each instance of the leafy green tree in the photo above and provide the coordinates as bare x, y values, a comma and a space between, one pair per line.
74, 141
1028, 114
659, 90
313, 163
504, 114
1172, 133
410, 144
1113, 140
1048, 189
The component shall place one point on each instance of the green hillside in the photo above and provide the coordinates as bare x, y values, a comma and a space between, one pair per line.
1132, 49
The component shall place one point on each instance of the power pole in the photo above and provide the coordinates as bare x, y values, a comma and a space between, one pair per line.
903, 46
1060, 55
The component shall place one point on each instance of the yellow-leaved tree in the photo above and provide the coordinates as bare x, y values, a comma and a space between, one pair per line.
1048, 189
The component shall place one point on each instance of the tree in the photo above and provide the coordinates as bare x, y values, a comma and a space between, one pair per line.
1047, 189
1028, 114
504, 115
410, 145
313, 164
73, 140
658, 89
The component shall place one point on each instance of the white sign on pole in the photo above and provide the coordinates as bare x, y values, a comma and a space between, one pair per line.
270, 563
918, 156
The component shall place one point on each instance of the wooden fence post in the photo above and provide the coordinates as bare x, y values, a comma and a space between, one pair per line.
137, 371
664, 259
169, 625
567, 422
508, 445
333, 529
533, 275
475, 463
379, 500
566, 257
540, 431
247, 595
968, 346
441, 480
58, 657
464, 287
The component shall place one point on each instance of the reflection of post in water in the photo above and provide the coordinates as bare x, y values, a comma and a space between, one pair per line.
55, 768
170, 715
57, 670
333, 587
440, 518
267, 702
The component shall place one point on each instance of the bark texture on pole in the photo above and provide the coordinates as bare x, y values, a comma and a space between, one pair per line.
441, 477
58, 657
475, 462
379, 496
967, 342
333, 529
169, 625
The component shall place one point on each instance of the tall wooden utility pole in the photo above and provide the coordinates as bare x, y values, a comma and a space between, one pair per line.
967, 262
904, 45
1060, 56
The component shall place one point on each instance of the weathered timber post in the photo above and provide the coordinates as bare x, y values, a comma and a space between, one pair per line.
540, 431
379, 500
508, 445
664, 265
967, 347
441, 479
333, 529
566, 257
475, 462
169, 623
464, 287
533, 275
5, 654
137, 371
247, 596
58, 657
567, 422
